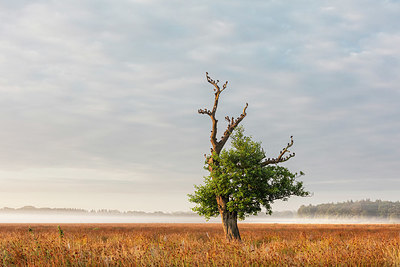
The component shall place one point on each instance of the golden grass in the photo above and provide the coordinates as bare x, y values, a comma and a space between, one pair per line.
199, 245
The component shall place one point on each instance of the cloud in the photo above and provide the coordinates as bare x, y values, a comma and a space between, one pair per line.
111, 86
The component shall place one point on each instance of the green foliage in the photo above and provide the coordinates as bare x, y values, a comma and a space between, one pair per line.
238, 175
349, 209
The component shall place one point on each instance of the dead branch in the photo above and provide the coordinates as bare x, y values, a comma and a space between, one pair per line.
281, 157
232, 123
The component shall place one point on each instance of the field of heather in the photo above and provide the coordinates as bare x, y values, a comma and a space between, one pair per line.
199, 244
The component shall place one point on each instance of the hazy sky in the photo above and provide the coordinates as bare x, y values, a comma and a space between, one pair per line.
99, 99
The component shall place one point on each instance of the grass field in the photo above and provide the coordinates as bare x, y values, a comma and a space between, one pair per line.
199, 245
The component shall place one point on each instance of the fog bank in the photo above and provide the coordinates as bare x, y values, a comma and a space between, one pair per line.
75, 218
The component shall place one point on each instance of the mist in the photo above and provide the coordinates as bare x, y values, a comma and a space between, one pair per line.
78, 218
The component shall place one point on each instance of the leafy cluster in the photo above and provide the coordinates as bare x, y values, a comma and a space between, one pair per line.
238, 175
349, 209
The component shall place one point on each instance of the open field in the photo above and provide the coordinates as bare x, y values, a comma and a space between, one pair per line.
199, 244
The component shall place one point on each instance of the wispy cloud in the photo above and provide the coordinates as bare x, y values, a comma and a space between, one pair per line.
106, 87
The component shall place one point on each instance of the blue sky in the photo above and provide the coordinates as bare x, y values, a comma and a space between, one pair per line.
99, 99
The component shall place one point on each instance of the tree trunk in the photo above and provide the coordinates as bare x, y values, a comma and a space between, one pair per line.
229, 220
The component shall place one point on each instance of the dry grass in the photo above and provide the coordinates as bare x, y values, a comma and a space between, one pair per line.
199, 245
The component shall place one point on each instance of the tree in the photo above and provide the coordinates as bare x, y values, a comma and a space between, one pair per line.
241, 179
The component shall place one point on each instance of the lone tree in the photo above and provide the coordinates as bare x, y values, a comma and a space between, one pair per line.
241, 179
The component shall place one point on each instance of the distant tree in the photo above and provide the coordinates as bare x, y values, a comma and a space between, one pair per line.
349, 209
242, 179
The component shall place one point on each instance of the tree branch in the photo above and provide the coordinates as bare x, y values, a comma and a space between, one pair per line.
281, 157
232, 124
215, 84
211, 113
204, 111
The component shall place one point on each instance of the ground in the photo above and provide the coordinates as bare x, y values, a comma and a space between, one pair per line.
199, 245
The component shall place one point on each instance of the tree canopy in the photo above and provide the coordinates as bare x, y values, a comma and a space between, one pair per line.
240, 176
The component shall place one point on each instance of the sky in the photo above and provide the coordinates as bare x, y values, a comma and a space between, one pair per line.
99, 99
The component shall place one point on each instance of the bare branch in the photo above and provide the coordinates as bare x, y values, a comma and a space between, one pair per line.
215, 83
281, 157
204, 111
224, 86
217, 89
211, 113
244, 109
232, 124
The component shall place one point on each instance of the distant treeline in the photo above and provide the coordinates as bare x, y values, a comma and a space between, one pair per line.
34, 210
351, 209
108, 212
